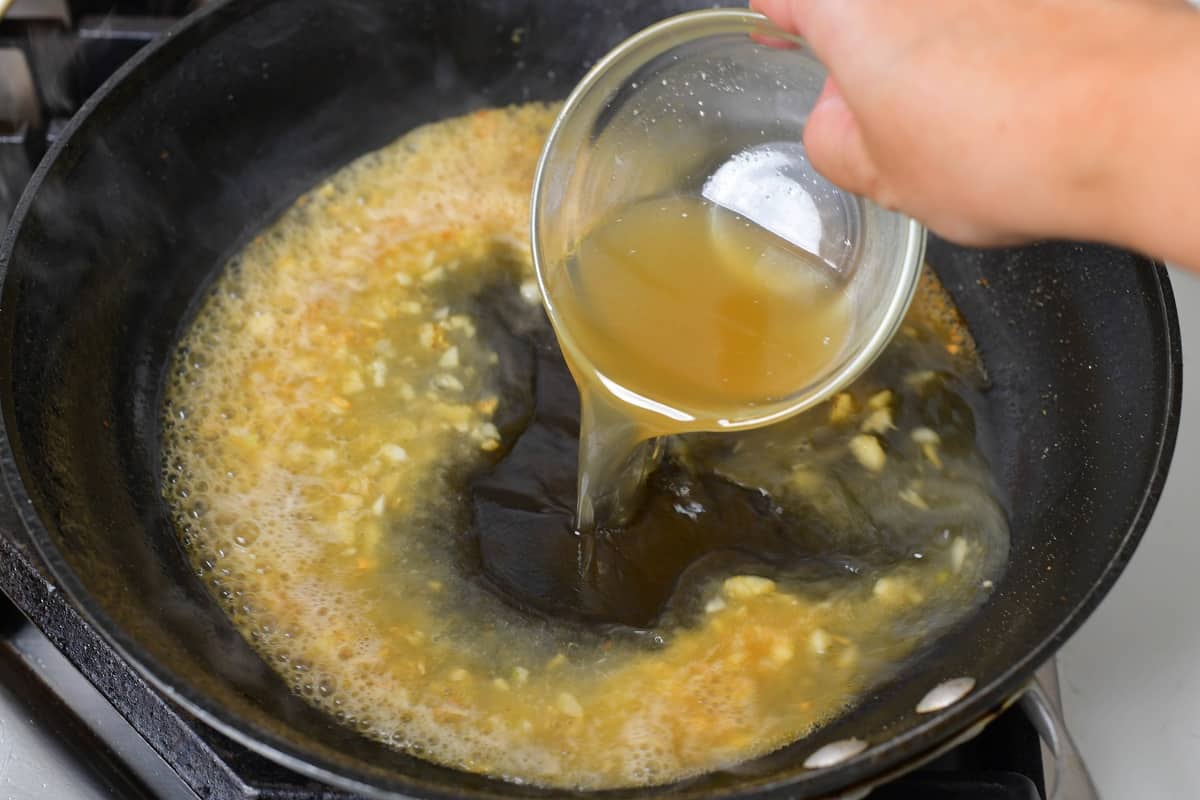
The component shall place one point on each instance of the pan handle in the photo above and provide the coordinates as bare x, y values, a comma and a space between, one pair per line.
1069, 780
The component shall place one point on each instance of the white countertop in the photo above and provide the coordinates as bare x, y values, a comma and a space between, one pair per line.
1130, 677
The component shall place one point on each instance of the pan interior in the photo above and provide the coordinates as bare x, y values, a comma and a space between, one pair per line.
370, 447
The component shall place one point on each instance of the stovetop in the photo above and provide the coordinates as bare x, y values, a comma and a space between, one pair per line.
75, 720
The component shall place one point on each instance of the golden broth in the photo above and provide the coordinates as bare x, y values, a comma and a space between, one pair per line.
681, 301
699, 317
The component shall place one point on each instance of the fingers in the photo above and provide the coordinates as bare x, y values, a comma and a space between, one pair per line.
787, 14
832, 136
836, 148
806, 18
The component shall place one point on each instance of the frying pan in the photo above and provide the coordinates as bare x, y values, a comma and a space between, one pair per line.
208, 135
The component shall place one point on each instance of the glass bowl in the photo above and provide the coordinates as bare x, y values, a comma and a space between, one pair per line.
713, 104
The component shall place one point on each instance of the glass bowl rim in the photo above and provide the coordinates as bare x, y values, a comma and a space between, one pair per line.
698, 25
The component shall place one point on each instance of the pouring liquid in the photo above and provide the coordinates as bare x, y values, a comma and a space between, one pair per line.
692, 318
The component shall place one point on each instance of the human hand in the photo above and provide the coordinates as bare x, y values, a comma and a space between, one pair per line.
1001, 121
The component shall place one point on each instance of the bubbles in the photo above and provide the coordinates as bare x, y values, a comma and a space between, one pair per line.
245, 532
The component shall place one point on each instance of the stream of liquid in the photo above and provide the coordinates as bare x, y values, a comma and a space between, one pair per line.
684, 316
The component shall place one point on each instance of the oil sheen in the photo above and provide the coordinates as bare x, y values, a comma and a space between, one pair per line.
679, 315
369, 447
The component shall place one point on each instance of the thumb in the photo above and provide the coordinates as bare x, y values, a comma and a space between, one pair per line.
835, 144
787, 14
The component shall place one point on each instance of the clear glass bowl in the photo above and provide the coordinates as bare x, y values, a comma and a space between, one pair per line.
713, 104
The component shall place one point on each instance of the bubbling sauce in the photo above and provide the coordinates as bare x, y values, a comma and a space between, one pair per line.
368, 449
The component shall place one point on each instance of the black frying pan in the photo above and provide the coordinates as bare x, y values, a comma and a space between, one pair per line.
209, 134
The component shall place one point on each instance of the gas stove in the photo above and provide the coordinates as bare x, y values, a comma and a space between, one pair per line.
75, 720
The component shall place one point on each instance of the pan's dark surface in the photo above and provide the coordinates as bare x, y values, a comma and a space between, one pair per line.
209, 135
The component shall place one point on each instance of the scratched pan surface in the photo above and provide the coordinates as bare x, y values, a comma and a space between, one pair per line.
208, 135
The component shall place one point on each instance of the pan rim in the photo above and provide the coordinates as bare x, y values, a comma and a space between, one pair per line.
877, 762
